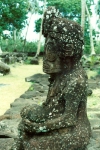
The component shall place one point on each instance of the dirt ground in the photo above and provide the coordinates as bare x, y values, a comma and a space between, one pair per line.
13, 84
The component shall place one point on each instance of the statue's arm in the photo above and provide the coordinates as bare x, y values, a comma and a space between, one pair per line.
72, 96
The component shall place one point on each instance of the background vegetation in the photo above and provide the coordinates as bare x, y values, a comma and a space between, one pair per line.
10, 45
13, 17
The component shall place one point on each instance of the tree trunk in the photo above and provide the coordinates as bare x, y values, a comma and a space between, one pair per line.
39, 41
27, 32
83, 4
0, 50
14, 38
0, 44
91, 38
14, 35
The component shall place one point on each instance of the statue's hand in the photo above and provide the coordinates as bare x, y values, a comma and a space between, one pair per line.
33, 127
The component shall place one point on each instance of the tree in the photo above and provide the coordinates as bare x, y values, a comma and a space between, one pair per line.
39, 42
68, 9
33, 8
90, 27
98, 13
83, 7
72, 11
83, 4
13, 14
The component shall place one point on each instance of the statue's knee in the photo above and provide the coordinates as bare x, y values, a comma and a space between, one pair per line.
18, 145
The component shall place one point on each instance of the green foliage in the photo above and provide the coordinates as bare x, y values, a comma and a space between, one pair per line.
93, 59
33, 6
98, 12
37, 25
98, 7
98, 72
31, 88
87, 48
68, 8
27, 61
10, 45
31, 47
87, 38
13, 14
97, 48
72, 10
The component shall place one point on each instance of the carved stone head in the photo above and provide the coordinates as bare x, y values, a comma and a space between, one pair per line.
64, 42
51, 61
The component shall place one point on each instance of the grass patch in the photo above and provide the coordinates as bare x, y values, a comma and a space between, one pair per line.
16, 84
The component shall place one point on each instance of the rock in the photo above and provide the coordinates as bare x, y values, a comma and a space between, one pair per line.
5, 143
34, 61
4, 68
37, 78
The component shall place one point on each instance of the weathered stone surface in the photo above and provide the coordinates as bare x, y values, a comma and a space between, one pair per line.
34, 61
5, 143
13, 57
10, 122
61, 121
95, 140
4, 68
38, 78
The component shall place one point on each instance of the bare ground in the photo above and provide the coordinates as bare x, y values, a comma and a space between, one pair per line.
13, 84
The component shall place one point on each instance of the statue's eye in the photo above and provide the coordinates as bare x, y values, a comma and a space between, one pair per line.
50, 52
51, 56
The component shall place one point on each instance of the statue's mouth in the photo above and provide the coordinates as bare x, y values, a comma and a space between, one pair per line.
46, 67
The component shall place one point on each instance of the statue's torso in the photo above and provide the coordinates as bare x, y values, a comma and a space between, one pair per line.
62, 90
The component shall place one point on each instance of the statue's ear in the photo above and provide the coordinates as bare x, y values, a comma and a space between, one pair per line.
66, 50
69, 50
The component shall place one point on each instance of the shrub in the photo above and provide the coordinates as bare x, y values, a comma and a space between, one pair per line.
97, 48
10, 45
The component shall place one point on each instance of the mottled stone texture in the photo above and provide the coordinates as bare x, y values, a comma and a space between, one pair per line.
61, 122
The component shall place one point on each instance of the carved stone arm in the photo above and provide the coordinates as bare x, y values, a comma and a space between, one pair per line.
72, 95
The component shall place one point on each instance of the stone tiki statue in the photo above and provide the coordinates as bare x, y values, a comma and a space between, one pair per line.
61, 122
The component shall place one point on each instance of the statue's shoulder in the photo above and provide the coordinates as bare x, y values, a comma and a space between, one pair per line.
77, 77
81, 77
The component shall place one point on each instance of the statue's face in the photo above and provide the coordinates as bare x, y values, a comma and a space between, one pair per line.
51, 62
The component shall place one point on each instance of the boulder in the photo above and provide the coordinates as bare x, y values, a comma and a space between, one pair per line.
4, 68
